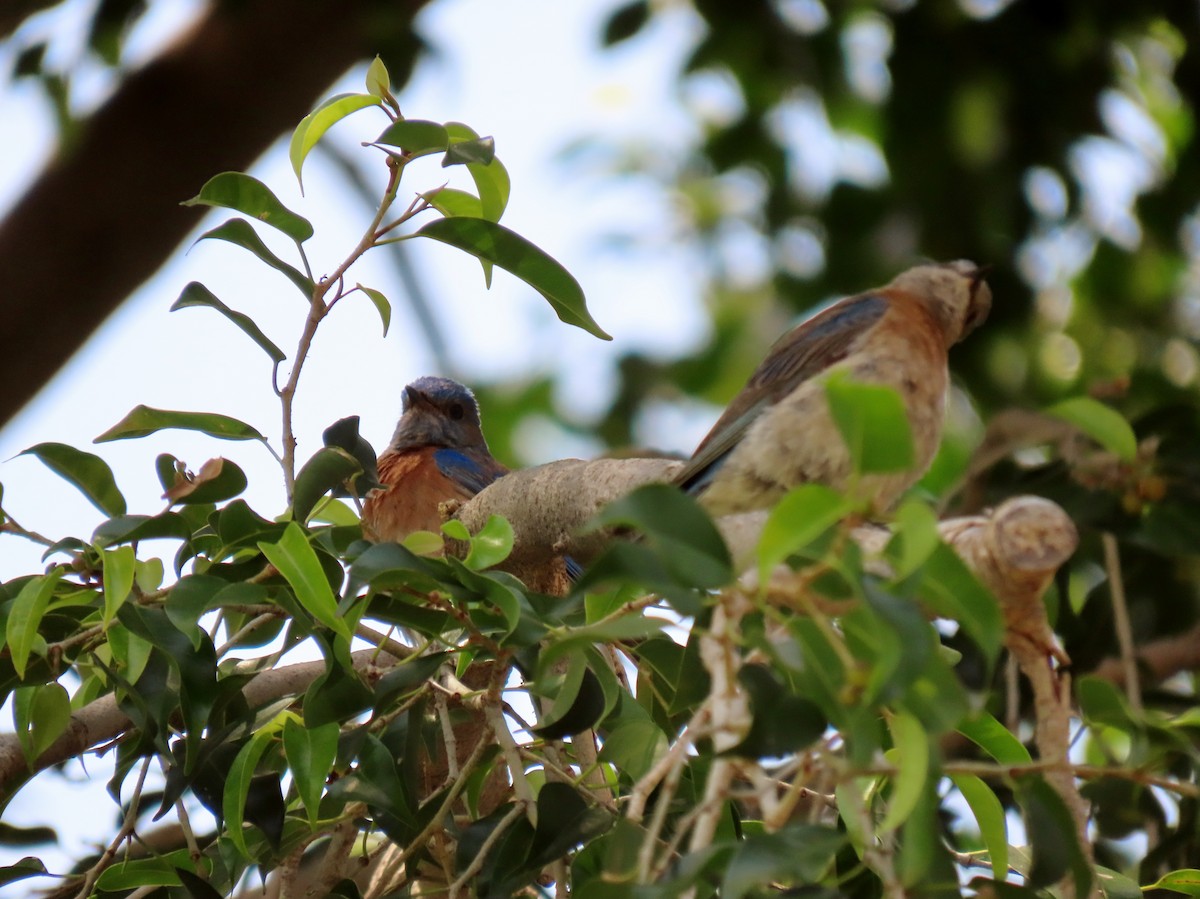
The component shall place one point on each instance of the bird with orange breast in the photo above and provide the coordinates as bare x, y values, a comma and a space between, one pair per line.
437, 453
778, 432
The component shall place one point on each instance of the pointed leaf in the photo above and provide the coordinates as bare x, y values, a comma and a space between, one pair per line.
379, 83
382, 306
874, 424
1104, 425
196, 294
416, 137
86, 471
995, 739
49, 716
989, 815
241, 773
21, 629
310, 754
320, 120
297, 561
797, 520
491, 180
240, 232
217, 480
119, 565
449, 201
329, 467
513, 253
143, 420
910, 756
29, 866
236, 190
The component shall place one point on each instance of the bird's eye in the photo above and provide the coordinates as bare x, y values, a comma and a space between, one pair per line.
457, 411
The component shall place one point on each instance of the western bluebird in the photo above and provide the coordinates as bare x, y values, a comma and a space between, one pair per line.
436, 454
778, 433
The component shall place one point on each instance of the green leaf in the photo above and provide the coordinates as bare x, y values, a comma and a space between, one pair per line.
329, 467
989, 815
1185, 880
496, 244
491, 546
449, 201
798, 854
119, 565
297, 562
196, 294
49, 715
241, 773
874, 424
491, 180
783, 722
1052, 837
310, 753
910, 756
379, 83
951, 589
320, 120
1102, 703
633, 747
915, 537
481, 150
240, 233
217, 480
29, 866
382, 306
679, 529
1104, 425
158, 871
25, 616
143, 420
86, 471
416, 137
995, 739
236, 190
798, 519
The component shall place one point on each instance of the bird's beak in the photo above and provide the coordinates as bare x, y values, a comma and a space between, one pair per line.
414, 397
978, 275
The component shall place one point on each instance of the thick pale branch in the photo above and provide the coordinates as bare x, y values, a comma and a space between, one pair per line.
102, 720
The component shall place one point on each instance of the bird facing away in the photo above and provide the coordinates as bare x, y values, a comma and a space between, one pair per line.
778, 433
436, 454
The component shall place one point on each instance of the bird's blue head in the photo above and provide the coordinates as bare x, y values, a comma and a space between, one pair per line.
438, 412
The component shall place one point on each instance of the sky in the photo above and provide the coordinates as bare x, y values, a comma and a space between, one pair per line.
489, 71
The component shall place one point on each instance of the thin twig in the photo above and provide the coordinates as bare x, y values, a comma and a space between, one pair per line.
1116, 589
128, 825
488, 844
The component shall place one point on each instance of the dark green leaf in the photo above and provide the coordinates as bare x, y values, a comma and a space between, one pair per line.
496, 244
310, 754
481, 150
1052, 837
89, 473
564, 820
329, 468
578, 700
26, 867
626, 21
783, 723
217, 480
196, 294
679, 529
144, 872
235, 190
989, 816
131, 528
416, 137
143, 420
796, 855
240, 233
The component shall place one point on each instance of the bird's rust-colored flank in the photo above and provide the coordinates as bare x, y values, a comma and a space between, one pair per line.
778, 433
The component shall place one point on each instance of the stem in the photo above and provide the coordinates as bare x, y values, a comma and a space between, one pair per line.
318, 309
1116, 589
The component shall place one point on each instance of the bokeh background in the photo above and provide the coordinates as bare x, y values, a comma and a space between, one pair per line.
708, 170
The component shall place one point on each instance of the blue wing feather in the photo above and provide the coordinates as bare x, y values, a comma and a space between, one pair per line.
469, 470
